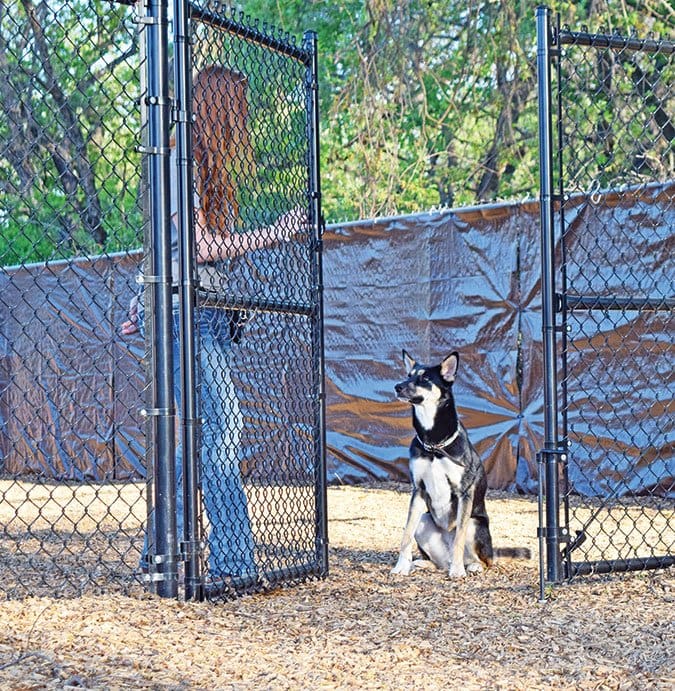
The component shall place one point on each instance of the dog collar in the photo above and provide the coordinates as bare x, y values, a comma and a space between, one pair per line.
440, 448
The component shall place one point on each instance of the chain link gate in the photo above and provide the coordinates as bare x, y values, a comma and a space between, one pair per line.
76, 131
608, 300
251, 367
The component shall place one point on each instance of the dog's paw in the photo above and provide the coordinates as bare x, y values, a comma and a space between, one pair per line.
474, 568
403, 567
457, 571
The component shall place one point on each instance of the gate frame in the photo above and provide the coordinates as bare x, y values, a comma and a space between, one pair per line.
159, 113
552, 459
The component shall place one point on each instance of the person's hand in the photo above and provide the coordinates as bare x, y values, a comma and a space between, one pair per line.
291, 224
130, 326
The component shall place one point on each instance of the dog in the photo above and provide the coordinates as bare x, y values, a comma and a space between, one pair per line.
447, 515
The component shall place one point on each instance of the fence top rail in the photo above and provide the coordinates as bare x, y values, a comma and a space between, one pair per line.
205, 13
615, 41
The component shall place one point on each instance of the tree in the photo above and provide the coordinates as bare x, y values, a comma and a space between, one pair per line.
66, 125
424, 103
433, 102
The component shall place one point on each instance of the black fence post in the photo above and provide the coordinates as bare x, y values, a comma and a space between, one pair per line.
190, 547
312, 75
163, 568
550, 452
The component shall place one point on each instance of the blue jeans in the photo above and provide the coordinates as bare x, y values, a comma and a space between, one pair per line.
230, 538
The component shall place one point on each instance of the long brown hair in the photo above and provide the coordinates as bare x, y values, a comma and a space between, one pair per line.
221, 145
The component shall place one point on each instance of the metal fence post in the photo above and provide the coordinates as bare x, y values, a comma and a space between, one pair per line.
550, 451
312, 75
163, 569
187, 281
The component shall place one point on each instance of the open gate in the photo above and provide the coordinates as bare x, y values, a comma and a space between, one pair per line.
607, 469
243, 506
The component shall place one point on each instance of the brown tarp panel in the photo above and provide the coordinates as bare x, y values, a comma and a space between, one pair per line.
70, 389
466, 280
430, 284
621, 379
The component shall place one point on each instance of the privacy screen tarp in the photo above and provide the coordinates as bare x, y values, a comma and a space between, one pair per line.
430, 284
620, 362
465, 280
70, 387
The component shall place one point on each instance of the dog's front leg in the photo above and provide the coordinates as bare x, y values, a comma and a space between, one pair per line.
418, 506
464, 506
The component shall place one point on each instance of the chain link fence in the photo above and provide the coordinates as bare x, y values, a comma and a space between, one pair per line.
616, 179
77, 488
71, 492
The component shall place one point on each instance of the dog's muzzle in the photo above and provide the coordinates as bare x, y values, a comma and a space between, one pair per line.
407, 393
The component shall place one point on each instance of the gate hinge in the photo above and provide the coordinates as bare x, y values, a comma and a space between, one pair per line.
156, 150
554, 49
157, 412
179, 115
559, 452
191, 549
158, 101
162, 558
155, 576
147, 20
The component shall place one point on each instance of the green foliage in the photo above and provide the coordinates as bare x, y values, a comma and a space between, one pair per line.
424, 103
69, 173
433, 102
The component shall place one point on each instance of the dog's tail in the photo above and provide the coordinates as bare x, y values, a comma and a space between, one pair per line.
512, 553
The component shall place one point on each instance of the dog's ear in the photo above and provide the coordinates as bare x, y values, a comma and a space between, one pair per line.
409, 361
449, 367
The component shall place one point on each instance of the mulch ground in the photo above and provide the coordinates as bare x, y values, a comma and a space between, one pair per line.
361, 628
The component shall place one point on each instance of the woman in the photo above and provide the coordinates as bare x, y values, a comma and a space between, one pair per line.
222, 153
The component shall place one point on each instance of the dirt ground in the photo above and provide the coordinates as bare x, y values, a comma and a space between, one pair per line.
361, 628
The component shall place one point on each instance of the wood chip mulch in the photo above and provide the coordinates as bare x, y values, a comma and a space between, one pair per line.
361, 628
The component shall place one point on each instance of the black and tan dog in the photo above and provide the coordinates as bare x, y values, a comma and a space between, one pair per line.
447, 516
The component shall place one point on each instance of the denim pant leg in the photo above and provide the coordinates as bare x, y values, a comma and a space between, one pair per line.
230, 537
231, 543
